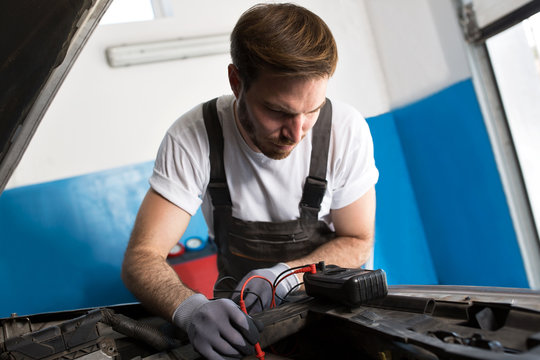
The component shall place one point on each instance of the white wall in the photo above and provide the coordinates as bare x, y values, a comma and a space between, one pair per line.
390, 53
420, 46
104, 117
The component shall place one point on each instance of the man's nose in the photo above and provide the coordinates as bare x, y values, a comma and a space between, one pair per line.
293, 128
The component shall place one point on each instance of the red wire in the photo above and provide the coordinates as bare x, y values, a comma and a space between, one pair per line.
242, 303
258, 350
310, 268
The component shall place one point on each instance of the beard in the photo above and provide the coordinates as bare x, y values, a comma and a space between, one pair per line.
269, 146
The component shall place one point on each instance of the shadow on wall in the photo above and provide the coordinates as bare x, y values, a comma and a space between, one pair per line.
442, 217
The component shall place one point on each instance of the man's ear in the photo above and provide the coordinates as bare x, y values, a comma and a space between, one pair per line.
234, 80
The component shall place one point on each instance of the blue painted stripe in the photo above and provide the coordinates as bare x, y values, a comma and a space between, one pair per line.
400, 244
62, 242
458, 190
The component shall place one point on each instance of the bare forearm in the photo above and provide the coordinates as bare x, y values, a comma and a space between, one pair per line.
343, 251
152, 281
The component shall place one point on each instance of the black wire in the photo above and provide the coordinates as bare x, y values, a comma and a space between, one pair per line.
224, 278
289, 292
250, 292
284, 271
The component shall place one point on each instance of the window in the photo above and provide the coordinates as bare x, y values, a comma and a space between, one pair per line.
123, 11
514, 57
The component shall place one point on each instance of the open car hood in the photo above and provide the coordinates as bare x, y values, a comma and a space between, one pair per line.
40, 42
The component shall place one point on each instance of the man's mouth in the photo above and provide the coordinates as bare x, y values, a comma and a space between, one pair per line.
282, 142
284, 145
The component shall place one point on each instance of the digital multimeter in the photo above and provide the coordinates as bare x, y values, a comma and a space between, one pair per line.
350, 287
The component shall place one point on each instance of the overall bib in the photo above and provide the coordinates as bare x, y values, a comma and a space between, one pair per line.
247, 245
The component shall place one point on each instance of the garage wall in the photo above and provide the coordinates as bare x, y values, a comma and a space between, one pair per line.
79, 184
74, 196
446, 149
420, 47
105, 117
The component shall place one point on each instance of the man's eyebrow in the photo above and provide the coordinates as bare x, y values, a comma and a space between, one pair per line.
319, 107
286, 110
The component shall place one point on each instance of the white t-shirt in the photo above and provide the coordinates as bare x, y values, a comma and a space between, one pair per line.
262, 189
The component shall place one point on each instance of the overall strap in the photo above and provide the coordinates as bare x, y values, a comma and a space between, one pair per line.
315, 185
219, 191
217, 187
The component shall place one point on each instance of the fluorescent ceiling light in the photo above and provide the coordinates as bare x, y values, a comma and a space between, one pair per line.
125, 55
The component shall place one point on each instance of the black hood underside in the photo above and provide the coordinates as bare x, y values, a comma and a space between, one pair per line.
40, 41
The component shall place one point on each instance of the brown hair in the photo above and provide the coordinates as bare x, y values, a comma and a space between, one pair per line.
284, 38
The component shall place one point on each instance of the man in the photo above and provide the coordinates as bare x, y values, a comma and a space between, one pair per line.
285, 178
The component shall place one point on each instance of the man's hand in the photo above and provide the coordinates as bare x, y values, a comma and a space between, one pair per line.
217, 329
258, 292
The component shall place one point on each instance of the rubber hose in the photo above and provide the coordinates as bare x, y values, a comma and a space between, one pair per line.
139, 331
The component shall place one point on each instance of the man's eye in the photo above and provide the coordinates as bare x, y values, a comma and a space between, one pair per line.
277, 112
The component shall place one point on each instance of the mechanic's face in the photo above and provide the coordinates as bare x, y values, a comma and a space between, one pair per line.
276, 112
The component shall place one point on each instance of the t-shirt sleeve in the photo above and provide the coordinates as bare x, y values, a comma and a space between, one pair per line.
354, 167
179, 174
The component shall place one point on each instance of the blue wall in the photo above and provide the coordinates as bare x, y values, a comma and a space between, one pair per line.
458, 190
62, 242
400, 242
442, 217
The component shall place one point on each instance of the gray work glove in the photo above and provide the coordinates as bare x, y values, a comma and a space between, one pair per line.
217, 329
263, 289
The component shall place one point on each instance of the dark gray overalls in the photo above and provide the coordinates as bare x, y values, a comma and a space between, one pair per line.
247, 245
